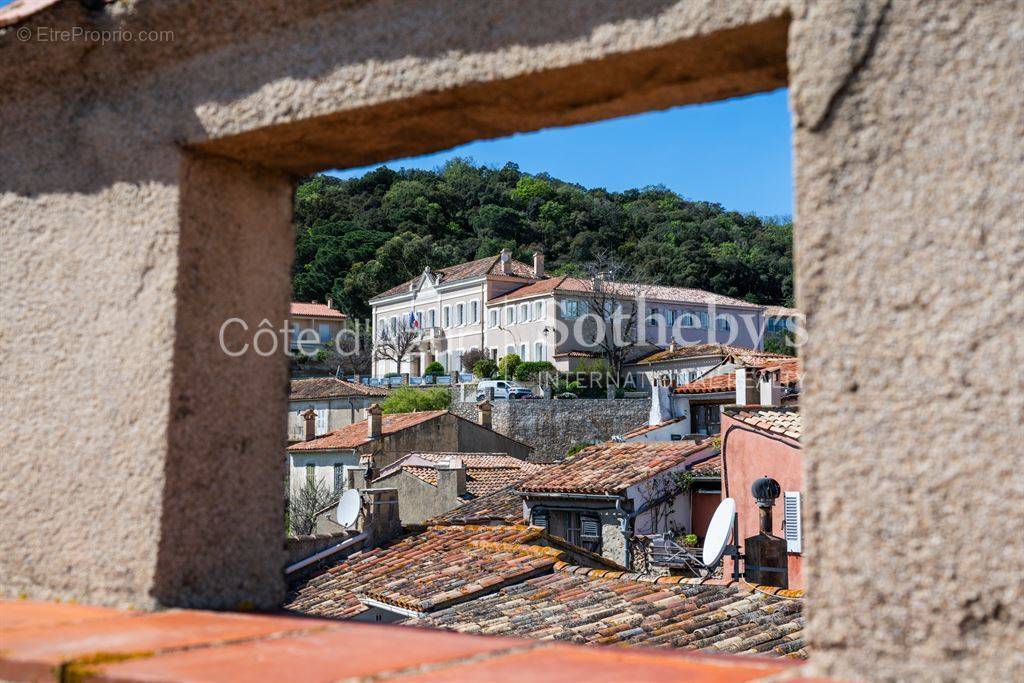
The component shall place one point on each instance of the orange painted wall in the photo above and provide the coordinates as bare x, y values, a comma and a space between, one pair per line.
747, 456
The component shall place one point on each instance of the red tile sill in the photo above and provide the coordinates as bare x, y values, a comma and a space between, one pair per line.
52, 642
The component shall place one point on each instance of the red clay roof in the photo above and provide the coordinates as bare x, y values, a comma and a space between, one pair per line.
612, 467
570, 285
789, 374
503, 505
430, 570
782, 420
709, 385
355, 434
485, 472
314, 310
781, 312
464, 271
330, 387
701, 350
640, 431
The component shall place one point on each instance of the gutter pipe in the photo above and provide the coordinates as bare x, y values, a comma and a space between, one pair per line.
348, 542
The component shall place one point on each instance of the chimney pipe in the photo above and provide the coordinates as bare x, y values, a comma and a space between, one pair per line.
310, 417
483, 414
373, 421
771, 388
506, 256
451, 478
538, 264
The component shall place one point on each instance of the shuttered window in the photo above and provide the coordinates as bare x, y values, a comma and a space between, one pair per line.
794, 528
590, 528
321, 421
339, 477
539, 517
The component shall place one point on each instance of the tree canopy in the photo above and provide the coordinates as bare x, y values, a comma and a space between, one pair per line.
359, 237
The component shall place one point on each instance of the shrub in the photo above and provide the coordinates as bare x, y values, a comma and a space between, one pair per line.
471, 358
411, 399
433, 369
576, 448
530, 371
507, 365
392, 374
485, 368
690, 540
321, 356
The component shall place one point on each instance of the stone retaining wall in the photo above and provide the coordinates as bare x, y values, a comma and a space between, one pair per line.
552, 426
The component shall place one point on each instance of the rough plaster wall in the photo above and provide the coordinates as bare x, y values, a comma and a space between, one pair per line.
552, 426
910, 249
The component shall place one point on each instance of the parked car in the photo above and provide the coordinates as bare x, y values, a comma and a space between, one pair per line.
502, 389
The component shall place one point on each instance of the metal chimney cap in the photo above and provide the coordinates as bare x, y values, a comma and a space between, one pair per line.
765, 491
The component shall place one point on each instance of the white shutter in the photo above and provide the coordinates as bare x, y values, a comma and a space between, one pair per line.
539, 517
590, 528
794, 529
321, 421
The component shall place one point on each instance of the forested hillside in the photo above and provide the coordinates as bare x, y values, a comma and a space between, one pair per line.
356, 238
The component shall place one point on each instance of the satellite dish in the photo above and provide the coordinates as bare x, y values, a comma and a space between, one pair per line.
718, 533
348, 508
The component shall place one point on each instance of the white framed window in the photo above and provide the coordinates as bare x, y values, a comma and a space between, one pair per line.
456, 361
432, 317
474, 312
447, 316
670, 316
510, 315
793, 527
524, 312
523, 349
321, 421
703, 317
653, 319
339, 477
494, 353
310, 474
492, 317
510, 349
443, 360
394, 325
538, 310
325, 333
539, 352
460, 315
690, 320
723, 323
570, 308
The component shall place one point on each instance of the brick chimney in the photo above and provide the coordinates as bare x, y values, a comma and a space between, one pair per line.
310, 417
747, 391
538, 264
506, 257
451, 478
373, 421
483, 414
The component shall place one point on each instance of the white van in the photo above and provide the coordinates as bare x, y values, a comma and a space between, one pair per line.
502, 389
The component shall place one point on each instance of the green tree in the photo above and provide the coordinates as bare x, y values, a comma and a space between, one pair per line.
411, 400
507, 365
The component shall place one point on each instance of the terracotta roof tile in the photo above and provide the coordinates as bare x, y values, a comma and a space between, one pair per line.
781, 312
330, 387
685, 351
640, 431
465, 271
570, 285
485, 472
355, 434
427, 571
613, 608
789, 369
612, 467
503, 505
314, 310
709, 385
781, 420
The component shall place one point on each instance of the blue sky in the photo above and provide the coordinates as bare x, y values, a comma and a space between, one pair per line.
736, 153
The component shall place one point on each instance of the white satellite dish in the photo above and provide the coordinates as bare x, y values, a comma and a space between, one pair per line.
718, 533
348, 508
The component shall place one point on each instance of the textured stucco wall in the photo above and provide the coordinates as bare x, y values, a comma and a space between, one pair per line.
552, 426
909, 161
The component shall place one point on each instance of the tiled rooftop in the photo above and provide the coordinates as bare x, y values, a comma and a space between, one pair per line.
485, 472
701, 350
640, 431
427, 571
612, 467
783, 420
329, 387
600, 607
724, 382
314, 310
355, 434
503, 505
789, 369
781, 312
464, 271
48, 641
575, 285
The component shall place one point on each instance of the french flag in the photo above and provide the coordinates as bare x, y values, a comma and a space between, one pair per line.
413, 322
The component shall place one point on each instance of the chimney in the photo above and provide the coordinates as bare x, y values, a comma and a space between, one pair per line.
747, 391
506, 256
310, 417
451, 478
538, 264
330, 302
373, 421
483, 414
771, 388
